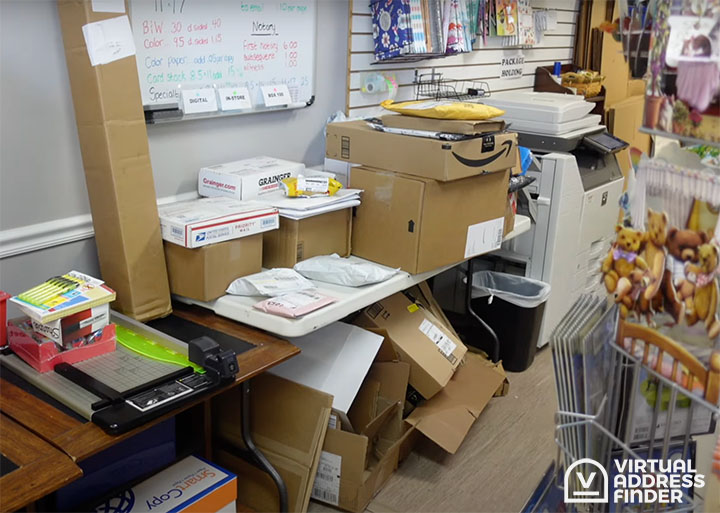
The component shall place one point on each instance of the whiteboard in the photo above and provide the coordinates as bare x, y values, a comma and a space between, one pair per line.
225, 43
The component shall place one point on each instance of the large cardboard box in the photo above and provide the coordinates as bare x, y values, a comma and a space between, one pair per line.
297, 240
420, 339
356, 464
205, 273
356, 142
118, 173
448, 416
289, 422
420, 224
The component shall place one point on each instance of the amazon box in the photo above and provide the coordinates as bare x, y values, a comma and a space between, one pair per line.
289, 422
356, 142
420, 224
205, 273
419, 338
300, 239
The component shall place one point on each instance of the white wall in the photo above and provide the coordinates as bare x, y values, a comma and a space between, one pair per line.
41, 174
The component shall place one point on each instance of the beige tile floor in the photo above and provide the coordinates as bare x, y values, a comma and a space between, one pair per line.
499, 464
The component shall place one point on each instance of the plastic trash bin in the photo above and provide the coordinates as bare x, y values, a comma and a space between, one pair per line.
513, 307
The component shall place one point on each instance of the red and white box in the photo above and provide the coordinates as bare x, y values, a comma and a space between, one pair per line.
246, 179
204, 221
43, 354
64, 331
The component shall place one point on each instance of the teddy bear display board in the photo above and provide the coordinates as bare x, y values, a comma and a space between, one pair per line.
662, 271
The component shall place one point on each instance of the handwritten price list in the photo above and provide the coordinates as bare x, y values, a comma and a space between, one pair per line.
211, 50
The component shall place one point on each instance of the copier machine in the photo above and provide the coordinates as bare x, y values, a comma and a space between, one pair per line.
574, 206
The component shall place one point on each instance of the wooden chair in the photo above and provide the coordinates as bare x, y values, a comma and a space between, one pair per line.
682, 360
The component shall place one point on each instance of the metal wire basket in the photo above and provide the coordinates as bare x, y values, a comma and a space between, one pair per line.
605, 435
433, 86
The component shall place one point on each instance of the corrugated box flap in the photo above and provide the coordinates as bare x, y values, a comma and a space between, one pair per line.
448, 416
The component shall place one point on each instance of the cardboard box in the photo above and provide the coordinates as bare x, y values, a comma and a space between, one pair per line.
289, 422
43, 354
189, 485
204, 221
419, 224
356, 464
419, 338
297, 240
448, 416
451, 126
625, 119
334, 359
63, 331
356, 142
118, 173
205, 273
246, 179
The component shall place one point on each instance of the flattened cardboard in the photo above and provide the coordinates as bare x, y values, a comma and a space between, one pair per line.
298, 240
118, 173
289, 422
334, 359
356, 142
430, 369
205, 273
449, 415
420, 224
451, 126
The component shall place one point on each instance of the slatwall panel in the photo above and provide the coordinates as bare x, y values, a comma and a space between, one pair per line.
481, 64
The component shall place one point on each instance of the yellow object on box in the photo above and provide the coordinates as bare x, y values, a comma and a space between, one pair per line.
305, 186
444, 109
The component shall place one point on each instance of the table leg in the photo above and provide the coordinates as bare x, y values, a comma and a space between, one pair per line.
260, 460
495, 354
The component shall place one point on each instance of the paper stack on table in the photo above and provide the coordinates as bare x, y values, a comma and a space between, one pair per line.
301, 208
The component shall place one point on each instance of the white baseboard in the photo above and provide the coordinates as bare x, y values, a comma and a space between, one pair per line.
35, 237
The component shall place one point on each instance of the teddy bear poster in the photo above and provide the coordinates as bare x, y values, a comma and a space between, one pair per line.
667, 277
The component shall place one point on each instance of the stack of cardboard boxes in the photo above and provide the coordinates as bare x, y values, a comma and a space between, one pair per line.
234, 230
336, 429
427, 202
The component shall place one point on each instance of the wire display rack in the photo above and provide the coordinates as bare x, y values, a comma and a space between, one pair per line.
640, 363
433, 86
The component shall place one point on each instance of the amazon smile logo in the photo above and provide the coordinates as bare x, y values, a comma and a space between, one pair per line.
507, 147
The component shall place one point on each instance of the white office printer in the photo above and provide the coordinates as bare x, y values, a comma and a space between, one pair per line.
574, 201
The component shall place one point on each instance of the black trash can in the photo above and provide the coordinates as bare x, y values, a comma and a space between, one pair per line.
513, 307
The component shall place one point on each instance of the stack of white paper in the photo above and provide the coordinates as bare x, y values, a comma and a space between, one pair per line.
301, 208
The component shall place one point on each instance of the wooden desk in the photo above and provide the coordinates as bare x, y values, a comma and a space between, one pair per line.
65, 439
80, 440
42, 469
